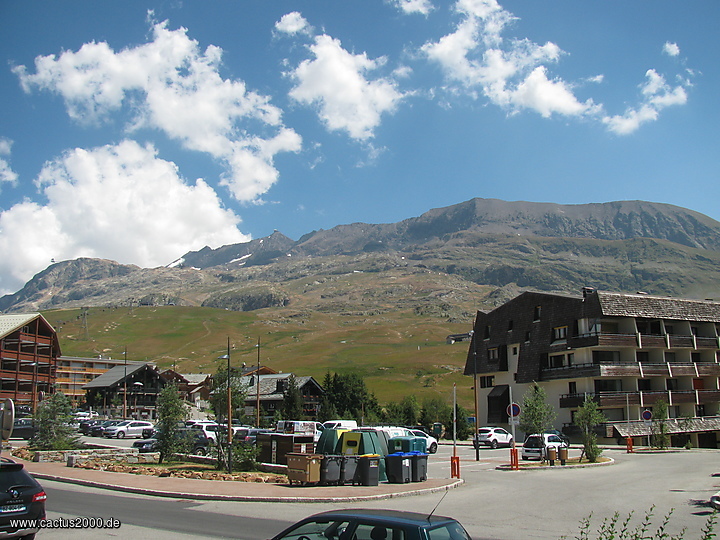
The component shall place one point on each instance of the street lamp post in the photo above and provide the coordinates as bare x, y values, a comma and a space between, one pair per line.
229, 409
125, 386
257, 388
476, 441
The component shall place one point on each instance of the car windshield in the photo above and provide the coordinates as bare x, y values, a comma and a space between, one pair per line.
123, 423
448, 531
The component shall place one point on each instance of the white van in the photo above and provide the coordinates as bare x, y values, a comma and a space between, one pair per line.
340, 424
298, 427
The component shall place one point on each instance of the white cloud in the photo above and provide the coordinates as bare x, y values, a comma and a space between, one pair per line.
657, 95
335, 80
293, 23
172, 85
424, 7
6, 172
117, 202
671, 49
511, 74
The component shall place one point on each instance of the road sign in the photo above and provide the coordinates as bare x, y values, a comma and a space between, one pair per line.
646, 415
513, 410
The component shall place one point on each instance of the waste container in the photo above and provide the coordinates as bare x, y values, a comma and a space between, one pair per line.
330, 469
418, 466
563, 454
303, 468
407, 444
368, 470
348, 468
398, 468
552, 454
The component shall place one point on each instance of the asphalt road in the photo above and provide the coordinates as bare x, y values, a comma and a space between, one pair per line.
538, 504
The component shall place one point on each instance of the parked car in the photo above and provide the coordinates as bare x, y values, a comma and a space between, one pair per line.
375, 524
86, 424
127, 428
430, 442
493, 437
536, 446
208, 429
198, 444
21, 498
248, 435
24, 428
97, 430
340, 424
564, 437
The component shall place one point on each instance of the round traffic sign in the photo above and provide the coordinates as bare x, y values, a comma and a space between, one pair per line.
513, 410
646, 415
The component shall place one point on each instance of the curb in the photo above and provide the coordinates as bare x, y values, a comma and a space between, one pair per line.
244, 498
557, 467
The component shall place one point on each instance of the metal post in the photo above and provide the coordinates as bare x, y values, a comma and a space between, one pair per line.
125, 386
229, 410
257, 387
476, 442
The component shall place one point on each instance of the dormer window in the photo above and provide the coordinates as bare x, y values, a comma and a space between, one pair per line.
536, 313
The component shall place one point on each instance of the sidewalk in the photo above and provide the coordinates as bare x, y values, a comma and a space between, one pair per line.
186, 488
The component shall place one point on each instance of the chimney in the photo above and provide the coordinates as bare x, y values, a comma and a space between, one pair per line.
587, 291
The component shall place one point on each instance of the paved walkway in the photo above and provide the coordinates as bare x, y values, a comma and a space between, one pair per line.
187, 488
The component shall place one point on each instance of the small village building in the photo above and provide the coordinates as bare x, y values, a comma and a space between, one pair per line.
129, 390
269, 390
624, 351
29, 351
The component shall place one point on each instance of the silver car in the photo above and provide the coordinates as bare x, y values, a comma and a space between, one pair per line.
127, 428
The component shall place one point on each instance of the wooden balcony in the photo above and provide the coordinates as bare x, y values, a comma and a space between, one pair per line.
639, 369
642, 399
643, 341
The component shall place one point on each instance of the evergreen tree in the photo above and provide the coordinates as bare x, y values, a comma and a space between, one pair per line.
172, 412
293, 402
218, 395
52, 419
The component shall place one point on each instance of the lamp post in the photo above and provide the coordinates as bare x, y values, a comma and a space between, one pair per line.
125, 386
229, 408
257, 388
476, 442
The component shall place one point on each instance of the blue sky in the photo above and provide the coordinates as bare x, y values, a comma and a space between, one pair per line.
137, 131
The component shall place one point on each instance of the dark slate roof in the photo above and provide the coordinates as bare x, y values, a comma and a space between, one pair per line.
268, 385
658, 307
115, 375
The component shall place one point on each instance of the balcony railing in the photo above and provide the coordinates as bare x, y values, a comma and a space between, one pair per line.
642, 398
644, 341
634, 369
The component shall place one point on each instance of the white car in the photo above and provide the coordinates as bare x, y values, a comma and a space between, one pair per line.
493, 437
127, 428
430, 442
537, 446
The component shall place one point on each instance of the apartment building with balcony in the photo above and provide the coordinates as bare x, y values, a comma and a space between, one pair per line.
625, 351
29, 349
74, 372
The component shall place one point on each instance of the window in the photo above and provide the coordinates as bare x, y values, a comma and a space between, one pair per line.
560, 332
493, 354
527, 336
514, 351
487, 332
669, 357
366, 531
510, 325
606, 357
557, 361
572, 387
536, 313
571, 359
644, 385
642, 356
672, 384
486, 381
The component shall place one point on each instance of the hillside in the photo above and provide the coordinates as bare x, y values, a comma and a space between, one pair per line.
375, 299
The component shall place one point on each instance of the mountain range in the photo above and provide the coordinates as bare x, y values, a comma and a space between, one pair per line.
448, 262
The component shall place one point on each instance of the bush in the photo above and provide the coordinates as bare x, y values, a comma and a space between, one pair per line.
614, 529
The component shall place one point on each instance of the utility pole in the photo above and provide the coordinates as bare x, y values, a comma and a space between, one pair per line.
257, 388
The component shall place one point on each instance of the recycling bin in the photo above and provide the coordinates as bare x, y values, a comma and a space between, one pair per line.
563, 454
303, 468
368, 470
348, 468
552, 454
330, 469
418, 466
398, 468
